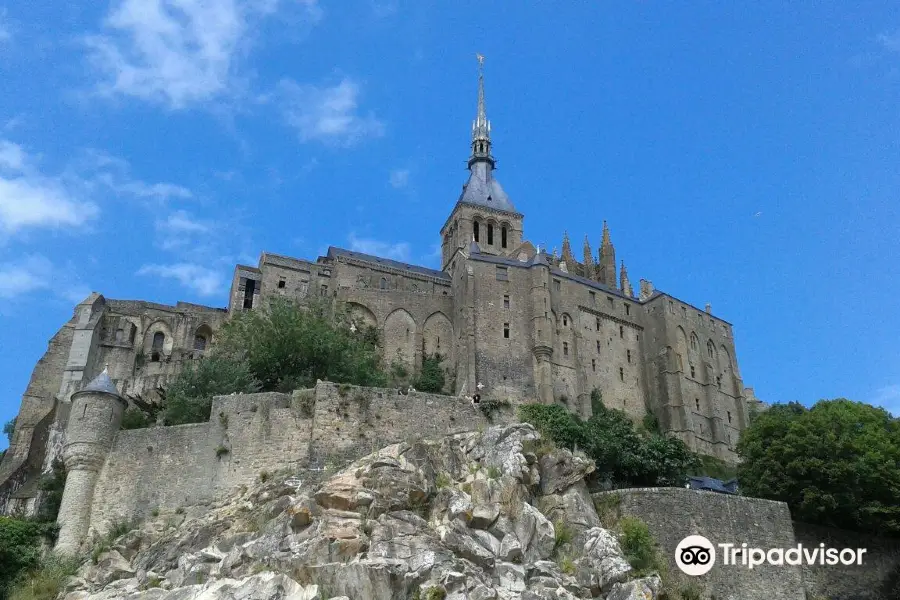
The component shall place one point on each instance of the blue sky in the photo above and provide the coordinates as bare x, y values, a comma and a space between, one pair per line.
744, 156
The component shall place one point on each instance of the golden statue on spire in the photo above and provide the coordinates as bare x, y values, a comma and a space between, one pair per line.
480, 58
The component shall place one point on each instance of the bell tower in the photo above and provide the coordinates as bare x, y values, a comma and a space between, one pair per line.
483, 213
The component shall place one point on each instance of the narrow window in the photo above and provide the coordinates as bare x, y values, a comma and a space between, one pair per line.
248, 293
506, 330
610, 300
729, 416
324, 290
627, 309
159, 340
503, 236
506, 301
439, 343
476, 231
565, 321
684, 312
593, 364
598, 346
407, 334
709, 349
490, 234
597, 323
502, 274
637, 337
628, 354
565, 348
692, 370
383, 284
557, 285
621, 331
671, 307
593, 298
281, 283
697, 402
621, 374
718, 381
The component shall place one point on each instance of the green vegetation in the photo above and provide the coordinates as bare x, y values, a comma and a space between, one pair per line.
710, 466
835, 464
45, 580
563, 534
623, 455
8, 428
20, 548
431, 378
494, 472
442, 481
639, 547
135, 418
283, 348
52, 485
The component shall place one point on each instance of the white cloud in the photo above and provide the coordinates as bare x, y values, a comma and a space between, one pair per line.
399, 178
179, 230
36, 273
97, 169
5, 29
327, 114
888, 397
201, 279
30, 199
396, 251
890, 41
178, 52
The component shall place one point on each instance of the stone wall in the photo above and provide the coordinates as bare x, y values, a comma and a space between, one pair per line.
675, 513
172, 467
842, 582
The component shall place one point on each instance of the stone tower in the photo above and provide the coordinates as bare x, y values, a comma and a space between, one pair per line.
483, 212
94, 420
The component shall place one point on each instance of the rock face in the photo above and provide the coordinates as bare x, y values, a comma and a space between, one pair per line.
471, 516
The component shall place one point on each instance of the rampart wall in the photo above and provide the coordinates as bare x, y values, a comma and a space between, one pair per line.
675, 513
247, 434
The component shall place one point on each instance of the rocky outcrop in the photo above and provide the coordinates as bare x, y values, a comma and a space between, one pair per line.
471, 516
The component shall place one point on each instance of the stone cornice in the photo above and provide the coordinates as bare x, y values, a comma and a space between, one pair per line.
610, 317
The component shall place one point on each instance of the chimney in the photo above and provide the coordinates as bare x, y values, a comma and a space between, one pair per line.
708, 308
646, 289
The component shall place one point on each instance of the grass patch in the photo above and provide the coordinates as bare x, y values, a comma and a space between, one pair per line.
494, 473
221, 451
566, 565
442, 481
563, 534
607, 507
47, 580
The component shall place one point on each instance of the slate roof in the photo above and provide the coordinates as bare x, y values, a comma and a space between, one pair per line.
713, 485
483, 189
101, 383
387, 262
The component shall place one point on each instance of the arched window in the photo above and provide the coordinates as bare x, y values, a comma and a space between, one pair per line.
383, 284
710, 349
199, 342
565, 321
503, 236
475, 230
565, 348
159, 340
490, 229
694, 342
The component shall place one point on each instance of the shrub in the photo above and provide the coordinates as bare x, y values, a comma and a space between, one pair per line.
638, 546
135, 418
494, 472
442, 481
20, 547
566, 565
431, 377
563, 534
46, 580
52, 485
189, 396
607, 507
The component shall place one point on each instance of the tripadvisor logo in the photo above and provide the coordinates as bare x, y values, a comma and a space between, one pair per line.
696, 555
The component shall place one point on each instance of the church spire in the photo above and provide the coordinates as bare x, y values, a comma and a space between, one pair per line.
624, 281
607, 268
567, 255
588, 260
481, 127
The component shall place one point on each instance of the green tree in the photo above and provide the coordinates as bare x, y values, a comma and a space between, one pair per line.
20, 548
288, 346
835, 464
8, 428
189, 396
622, 454
431, 378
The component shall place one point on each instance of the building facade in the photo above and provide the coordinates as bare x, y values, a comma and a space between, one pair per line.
511, 321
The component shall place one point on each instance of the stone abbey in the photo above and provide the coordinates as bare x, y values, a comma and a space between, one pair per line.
512, 321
